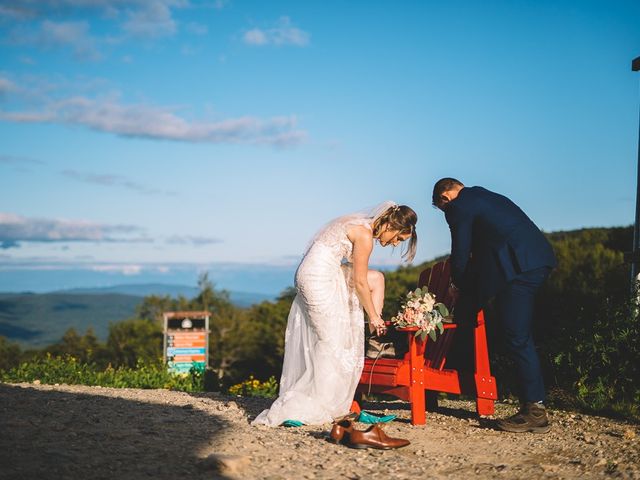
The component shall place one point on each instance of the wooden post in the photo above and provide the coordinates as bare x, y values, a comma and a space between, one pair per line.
416, 379
486, 391
635, 66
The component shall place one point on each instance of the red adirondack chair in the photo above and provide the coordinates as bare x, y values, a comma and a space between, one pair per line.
423, 369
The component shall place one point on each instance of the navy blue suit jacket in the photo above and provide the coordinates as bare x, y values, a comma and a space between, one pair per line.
492, 241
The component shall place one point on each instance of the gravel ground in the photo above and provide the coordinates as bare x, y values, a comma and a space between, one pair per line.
78, 432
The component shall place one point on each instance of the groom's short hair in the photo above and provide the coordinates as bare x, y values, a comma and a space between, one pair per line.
442, 186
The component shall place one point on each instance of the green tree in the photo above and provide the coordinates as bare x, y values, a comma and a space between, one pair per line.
85, 348
134, 340
263, 337
397, 284
10, 354
153, 306
226, 343
588, 335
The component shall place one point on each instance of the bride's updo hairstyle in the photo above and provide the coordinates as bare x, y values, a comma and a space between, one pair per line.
403, 219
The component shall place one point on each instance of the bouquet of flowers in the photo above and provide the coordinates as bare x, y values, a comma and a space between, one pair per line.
421, 310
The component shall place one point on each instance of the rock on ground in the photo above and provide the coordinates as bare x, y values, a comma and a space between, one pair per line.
79, 432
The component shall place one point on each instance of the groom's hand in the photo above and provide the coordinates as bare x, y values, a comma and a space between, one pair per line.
453, 293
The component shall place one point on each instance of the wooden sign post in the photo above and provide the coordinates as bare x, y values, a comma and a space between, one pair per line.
186, 340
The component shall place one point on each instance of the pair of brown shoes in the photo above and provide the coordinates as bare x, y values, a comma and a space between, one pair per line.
373, 437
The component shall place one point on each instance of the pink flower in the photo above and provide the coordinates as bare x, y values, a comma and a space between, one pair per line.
409, 315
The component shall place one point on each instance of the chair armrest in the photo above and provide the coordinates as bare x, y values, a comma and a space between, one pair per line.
408, 329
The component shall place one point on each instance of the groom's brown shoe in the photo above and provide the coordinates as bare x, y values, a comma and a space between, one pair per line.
374, 437
340, 431
532, 417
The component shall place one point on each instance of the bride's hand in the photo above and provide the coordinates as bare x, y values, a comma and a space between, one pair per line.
379, 325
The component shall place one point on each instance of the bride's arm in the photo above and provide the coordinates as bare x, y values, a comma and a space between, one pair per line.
362, 240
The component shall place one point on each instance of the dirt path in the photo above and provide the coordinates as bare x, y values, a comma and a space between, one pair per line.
79, 432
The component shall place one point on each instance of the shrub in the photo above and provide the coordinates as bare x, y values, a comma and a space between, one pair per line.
603, 365
253, 387
67, 369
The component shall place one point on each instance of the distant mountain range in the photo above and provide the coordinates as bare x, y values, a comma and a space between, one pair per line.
35, 320
241, 299
141, 290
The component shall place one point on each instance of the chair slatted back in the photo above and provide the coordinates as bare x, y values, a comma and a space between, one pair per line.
437, 279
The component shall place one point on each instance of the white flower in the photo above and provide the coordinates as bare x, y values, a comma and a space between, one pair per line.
415, 304
429, 301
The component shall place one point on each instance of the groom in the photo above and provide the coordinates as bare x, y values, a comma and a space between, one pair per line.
498, 252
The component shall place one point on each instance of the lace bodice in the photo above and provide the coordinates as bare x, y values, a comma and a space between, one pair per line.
334, 235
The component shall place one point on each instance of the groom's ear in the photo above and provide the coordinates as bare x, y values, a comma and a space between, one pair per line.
443, 199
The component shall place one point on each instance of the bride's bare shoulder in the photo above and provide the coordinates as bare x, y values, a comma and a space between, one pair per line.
359, 233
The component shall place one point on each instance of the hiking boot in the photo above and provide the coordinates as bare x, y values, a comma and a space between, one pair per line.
532, 417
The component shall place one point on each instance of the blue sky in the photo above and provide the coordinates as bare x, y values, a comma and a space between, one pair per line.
150, 140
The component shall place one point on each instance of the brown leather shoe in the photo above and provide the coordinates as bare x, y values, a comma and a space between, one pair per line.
374, 437
340, 431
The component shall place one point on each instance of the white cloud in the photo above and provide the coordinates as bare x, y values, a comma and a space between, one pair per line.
15, 12
144, 121
35, 100
64, 32
255, 37
129, 270
187, 50
31, 21
15, 229
220, 4
6, 86
16, 160
27, 117
30, 9
197, 28
110, 180
284, 33
49, 34
20, 164
152, 19
192, 240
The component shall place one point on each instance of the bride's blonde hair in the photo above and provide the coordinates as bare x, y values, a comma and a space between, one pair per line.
403, 219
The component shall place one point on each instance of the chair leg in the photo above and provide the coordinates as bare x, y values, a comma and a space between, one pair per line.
486, 391
355, 404
416, 382
484, 406
418, 411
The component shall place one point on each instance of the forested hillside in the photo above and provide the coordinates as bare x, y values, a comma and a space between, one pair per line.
38, 320
35, 320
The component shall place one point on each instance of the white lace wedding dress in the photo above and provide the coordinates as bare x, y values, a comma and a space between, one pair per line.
324, 340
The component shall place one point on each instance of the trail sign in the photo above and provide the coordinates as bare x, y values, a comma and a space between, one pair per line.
186, 340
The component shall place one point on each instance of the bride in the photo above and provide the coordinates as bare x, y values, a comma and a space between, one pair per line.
324, 340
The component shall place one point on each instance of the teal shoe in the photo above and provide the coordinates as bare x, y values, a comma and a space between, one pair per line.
291, 423
366, 417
